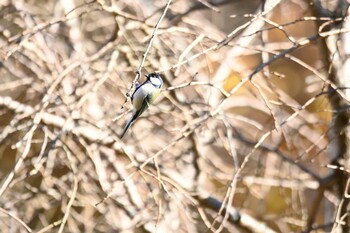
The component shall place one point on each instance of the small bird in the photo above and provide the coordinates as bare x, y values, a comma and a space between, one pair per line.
143, 96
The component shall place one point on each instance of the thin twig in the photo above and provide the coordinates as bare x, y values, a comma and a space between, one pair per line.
16, 218
74, 191
144, 56
49, 227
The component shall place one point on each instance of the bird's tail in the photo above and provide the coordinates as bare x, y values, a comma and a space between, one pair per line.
128, 125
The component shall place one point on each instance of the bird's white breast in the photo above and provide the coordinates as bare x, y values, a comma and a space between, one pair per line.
141, 94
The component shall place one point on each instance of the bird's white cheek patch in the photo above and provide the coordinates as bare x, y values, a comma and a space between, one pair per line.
155, 81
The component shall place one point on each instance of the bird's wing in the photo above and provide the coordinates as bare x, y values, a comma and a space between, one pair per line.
137, 86
145, 104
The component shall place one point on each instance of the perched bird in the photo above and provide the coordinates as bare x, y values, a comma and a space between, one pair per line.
143, 96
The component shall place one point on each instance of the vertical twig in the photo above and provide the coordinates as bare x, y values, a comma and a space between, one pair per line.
138, 71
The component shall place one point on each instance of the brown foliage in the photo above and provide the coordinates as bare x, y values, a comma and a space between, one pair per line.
237, 141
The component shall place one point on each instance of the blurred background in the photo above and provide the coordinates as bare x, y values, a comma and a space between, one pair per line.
240, 139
